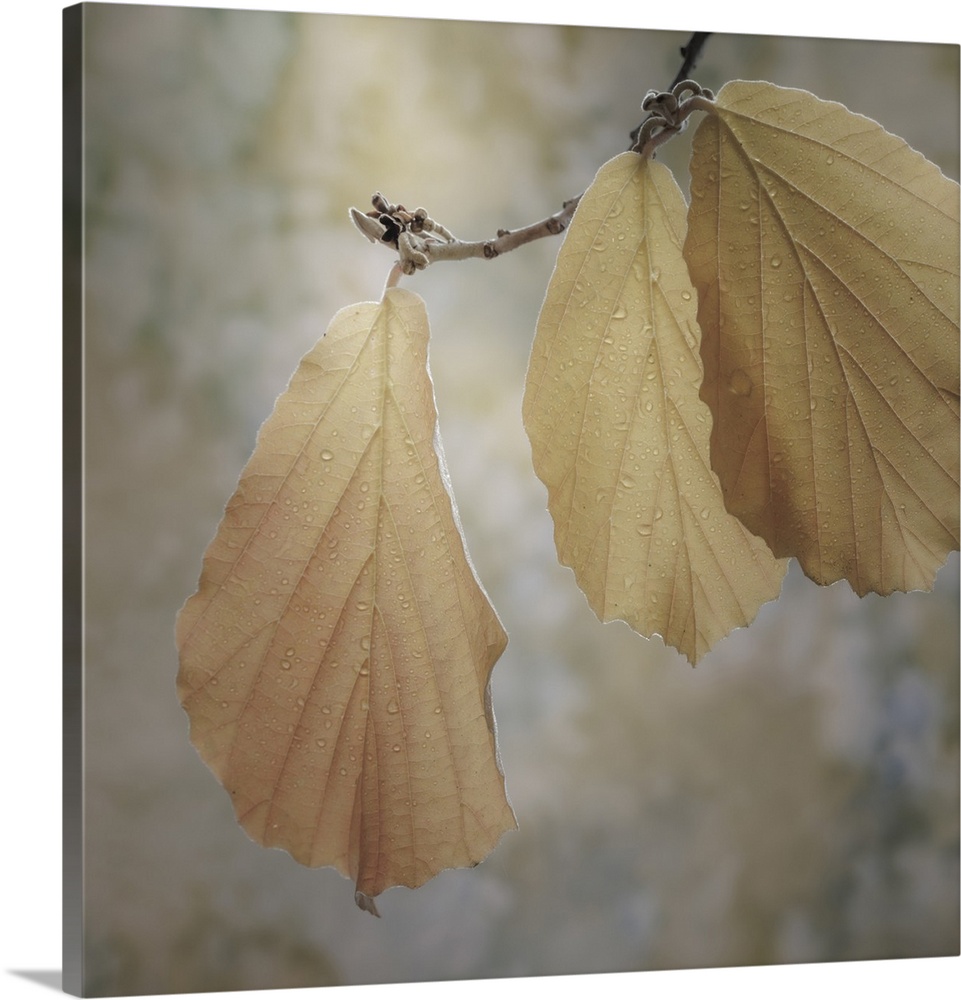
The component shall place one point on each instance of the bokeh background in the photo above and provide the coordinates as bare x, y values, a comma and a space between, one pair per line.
793, 799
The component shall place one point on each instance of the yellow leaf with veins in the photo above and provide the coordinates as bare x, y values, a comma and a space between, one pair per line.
825, 254
335, 660
618, 433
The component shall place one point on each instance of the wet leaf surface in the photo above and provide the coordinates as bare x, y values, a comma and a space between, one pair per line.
618, 432
336, 657
825, 254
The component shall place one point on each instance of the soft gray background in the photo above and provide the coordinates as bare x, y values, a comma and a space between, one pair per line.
795, 798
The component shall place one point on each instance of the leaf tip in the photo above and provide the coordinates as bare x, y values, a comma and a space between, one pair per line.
366, 902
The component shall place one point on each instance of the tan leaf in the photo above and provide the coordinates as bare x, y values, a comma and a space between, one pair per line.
336, 658
618, 433
825, 254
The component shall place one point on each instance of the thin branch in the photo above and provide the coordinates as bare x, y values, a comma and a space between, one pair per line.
420, 241
506, 239
691, 53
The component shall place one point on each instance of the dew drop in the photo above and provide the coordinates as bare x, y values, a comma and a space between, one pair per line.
326, 455
392, 707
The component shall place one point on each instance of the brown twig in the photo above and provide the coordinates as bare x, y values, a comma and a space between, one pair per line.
506, 239
421, 241
691, 53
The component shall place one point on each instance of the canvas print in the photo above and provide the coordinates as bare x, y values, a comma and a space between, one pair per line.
520, 500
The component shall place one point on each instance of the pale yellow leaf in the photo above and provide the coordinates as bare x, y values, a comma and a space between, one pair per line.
825, 254
618, 433
336, 658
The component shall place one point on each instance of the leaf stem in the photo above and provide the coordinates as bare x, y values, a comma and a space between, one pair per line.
393, 277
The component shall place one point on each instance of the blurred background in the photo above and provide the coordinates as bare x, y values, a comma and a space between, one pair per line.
793, 799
